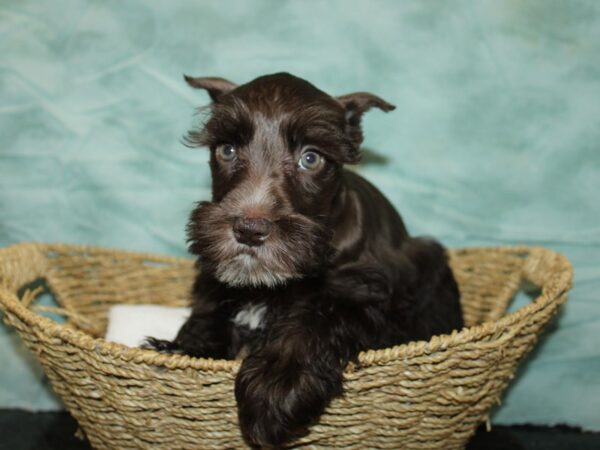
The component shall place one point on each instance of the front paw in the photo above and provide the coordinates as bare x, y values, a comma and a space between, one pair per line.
160, 345
278, 401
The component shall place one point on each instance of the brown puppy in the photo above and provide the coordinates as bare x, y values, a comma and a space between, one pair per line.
304, 264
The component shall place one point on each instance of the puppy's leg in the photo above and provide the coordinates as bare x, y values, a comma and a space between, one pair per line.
160, 345
286, 385
206, 333
280, 391
202, 335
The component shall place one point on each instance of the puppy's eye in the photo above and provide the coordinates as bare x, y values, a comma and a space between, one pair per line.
225, 152
310, 160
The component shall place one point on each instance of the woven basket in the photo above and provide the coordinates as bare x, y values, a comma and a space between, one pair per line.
423, 395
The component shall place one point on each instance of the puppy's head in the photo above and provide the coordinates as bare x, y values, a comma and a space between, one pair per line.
277, 148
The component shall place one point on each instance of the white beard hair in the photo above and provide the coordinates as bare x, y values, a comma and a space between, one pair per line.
245, 270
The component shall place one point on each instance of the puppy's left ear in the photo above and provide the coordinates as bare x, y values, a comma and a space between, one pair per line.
356, 105
215, 86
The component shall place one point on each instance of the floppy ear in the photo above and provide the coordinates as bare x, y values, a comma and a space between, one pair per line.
356, 105
215, 86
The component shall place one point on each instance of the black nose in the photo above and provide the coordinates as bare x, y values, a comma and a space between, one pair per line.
251, 231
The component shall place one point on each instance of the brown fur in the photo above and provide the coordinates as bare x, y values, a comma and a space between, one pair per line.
301, 269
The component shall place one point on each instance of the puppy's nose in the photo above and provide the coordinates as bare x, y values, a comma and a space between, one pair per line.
251, 231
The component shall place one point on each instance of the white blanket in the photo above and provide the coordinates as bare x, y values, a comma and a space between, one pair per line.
132, 324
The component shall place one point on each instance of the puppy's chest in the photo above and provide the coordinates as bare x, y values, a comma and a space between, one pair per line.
249, 323
251, 316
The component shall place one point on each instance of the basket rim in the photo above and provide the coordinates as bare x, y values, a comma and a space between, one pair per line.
554, 291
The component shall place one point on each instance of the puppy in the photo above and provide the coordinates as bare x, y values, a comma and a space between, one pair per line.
303, 263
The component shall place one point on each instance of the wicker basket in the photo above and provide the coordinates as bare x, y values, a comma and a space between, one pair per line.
423, 395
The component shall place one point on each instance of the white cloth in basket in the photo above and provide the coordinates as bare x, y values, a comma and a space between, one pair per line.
132, 324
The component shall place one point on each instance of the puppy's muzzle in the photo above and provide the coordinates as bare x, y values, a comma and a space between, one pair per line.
251, 231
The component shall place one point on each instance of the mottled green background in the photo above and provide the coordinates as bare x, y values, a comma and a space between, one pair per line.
496, 138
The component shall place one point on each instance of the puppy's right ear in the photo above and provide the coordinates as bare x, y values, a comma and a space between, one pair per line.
356, 105
215, 86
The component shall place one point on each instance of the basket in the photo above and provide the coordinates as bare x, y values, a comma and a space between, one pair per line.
421, 395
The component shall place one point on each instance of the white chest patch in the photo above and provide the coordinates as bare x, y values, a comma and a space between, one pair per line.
251, 316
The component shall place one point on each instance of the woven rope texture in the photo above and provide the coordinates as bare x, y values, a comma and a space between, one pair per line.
422, 395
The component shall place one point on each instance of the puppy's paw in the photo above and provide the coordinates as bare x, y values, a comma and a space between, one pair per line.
160, 345
277, 402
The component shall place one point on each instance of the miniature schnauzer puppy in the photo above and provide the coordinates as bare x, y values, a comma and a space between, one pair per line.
303, 264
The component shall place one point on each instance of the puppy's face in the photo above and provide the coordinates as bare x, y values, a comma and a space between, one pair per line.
277, 148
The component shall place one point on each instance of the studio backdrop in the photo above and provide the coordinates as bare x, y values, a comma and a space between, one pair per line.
495, 139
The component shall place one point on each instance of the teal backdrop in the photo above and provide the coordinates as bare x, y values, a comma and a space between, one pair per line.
495, 139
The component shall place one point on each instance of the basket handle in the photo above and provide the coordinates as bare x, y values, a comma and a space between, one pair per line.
31, 294
22, 264
548, 270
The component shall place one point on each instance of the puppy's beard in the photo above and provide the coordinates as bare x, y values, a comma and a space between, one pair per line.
296, 247
247, 270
